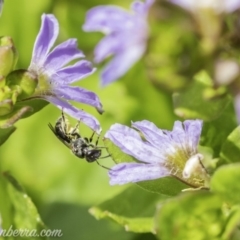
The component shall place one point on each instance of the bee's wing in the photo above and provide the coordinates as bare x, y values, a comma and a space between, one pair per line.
53, 130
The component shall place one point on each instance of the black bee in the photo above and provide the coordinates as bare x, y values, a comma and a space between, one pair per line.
80, 147
64, 132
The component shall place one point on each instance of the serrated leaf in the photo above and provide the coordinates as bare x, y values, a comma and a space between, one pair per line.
18, 212
169, 185
5, 133
231, 147
195, 215
133, 209
225, 182
191, 103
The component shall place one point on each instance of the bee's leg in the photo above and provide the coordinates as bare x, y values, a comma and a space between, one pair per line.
64, 123
109, 155
91, 138
102, 166
76, 127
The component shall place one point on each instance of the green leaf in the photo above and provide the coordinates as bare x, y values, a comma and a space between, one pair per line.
225, 182
191, 103
5, 133
231, 147
231, 231
194, 215
169, 185
17, 209
133, 208
214, 133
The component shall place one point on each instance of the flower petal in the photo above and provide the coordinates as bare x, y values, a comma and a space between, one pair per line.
79, 95
190, 5
160, 139
131, 143
178, 133
232, 5
135, 172
142, 7
78, 114
193, 129
150, 131
73, 73
218, 6
108, 46
107, 19
45, 39
124, 130
63, 54
121, 63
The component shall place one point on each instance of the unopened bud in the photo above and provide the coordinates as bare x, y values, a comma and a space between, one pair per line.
23, 79
8, 56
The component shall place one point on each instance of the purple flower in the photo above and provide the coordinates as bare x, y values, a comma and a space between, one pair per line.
126, 36
219, 6
160, 153
54, 76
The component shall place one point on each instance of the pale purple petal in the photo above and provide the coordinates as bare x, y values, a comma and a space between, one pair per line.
78, 94
178, 133
125, 130
162, 140
141, 7
108, 46
62, 54
193, 129
126, 139
45, 39
121, 63
135, 172
218, 6
232, 5
107, 19
78, 114
73, 73
186, 4
150, 131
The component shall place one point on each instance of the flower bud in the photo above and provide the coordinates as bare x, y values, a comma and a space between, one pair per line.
8, 55
23, 82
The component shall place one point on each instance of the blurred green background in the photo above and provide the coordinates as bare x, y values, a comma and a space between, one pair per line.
62, 186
